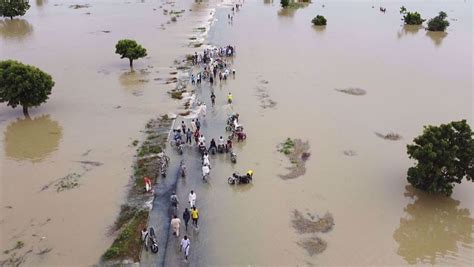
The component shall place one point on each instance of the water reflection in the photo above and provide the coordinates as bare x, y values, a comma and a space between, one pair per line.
267, 1
15, 29
319, 29
434, 227
41, 2
408, 30
437, 37
133, 79
32, 139
287, 12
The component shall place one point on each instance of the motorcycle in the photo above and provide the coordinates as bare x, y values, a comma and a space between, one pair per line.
164, 162
221, 148
179, 145
152, 240
233, 157
202, 149
212, 150
236, 178
241, 136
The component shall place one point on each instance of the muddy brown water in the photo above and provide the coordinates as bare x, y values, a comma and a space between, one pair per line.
411, 78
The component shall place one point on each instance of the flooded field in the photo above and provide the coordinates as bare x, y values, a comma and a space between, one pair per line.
357, 91
97, 109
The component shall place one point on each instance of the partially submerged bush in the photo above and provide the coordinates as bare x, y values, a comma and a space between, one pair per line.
319, 21
284, 3
438, 23
413, 18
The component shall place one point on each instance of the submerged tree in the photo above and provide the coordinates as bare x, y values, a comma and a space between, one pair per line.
13, 8
23, 85
445, 156
284, 3
411, 18
130, 49
438, 23
319, 21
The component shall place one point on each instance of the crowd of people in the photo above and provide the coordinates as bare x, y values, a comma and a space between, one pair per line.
210, 65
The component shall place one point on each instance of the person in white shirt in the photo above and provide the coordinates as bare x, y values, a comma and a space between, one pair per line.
205, 171
185, 243
175, 224
192, 198
204, 110
202, 139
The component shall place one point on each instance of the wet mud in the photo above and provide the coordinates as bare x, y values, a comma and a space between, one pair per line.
297, 152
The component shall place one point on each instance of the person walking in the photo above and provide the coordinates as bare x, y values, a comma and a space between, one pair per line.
183, 127
185, 243
186, 218
175, 224
205, 171
192, 198
195, 215
196, 136
193, 125
189, 135
229, 98
198, 124
145, 238
204, 110
213, 98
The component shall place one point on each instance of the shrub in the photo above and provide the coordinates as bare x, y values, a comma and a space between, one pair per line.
319, 20
413, 18
438, 23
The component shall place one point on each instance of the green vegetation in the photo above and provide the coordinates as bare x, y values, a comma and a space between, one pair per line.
130, 49
319, 21
128, 243
287, 146
444, 155
284, 3
13, 8
23, 85
411, 18
135, 143
438, 23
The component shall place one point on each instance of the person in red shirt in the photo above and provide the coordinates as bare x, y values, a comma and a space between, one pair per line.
147, 184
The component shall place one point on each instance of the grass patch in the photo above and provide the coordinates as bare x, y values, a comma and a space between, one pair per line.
128, 243
287, 146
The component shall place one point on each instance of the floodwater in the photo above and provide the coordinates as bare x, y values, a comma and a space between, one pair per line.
411, 79
97, 109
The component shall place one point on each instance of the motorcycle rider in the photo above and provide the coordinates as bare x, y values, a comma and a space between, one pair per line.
213, 145
221, 143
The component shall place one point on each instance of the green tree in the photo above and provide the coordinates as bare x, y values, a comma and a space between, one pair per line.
413, 18
444, 155
130, 49
23, 85
403, 10
284, 3
438, 23
319, 21
13, 8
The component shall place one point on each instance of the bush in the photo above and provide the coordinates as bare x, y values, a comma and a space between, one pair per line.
444, 155
413, 18
284, 3
438, 23
319, 20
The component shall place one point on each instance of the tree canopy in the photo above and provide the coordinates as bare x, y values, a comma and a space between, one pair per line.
23, 85
13, 8
130, 49
319, 20
438, 23
284, 3
444, 155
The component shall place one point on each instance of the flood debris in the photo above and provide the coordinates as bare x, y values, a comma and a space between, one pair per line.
68, 182
313, 245
352, 91
264, 97
86, 153
389, 136
77, 6
308, 224
16, 259
92, 163
298, 153
19, 244
312, 224
349, 153
44, 251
